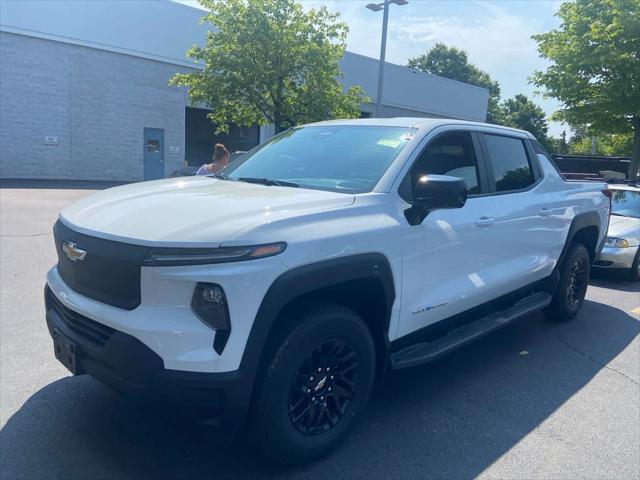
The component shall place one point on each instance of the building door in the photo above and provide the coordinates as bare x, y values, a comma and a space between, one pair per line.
153, 153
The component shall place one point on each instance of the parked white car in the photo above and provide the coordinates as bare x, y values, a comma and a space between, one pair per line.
622, 247
276, 292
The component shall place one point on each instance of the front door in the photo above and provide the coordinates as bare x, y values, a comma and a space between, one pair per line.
153, 153
448, 260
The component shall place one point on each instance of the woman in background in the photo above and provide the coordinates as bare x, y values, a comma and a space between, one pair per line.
220, 160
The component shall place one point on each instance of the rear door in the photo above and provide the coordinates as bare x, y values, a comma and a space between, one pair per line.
524, 237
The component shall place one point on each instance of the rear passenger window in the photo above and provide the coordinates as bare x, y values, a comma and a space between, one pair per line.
539, 150
511, 167
450, 154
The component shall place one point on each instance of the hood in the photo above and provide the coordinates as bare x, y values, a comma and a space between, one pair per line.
202, 211
624, 227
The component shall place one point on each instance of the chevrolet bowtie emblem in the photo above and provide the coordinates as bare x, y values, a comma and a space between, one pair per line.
72, 251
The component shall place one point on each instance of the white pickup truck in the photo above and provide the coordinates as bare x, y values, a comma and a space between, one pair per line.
273, 295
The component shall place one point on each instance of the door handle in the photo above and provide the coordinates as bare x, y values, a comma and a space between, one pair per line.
485, 221
545, 212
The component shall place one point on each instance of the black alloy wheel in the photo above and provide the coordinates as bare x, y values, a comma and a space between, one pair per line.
573, 281
318, 374
578, 281
323, 387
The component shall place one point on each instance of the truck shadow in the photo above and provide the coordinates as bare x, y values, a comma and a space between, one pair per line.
450, 419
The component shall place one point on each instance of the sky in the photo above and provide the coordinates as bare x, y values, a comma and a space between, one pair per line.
496, 34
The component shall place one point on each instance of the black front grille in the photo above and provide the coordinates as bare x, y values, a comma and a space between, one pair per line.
79, 325
109, 272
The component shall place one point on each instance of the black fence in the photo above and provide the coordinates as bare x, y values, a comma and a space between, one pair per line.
591, 164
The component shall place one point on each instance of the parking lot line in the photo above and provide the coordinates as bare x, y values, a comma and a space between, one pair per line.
636, 311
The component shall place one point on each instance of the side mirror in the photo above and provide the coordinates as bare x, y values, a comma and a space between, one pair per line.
433, 192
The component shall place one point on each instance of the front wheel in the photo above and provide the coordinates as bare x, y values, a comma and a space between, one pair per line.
320, 374
572, 287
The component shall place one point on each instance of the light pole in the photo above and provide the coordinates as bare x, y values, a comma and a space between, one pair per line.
376, 7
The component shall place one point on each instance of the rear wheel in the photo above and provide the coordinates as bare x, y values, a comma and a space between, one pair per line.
572, 287
320, 373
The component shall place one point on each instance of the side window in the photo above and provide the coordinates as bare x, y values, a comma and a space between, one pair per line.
449, 154
511, 167
539, 149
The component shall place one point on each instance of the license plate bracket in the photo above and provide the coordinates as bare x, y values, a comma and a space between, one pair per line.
65, 351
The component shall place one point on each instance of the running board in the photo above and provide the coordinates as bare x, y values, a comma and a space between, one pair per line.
429, 351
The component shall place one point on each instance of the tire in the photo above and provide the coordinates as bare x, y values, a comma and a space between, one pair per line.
634, 272
336, 340
572, 287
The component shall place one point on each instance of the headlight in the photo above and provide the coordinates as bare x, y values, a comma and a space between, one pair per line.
614, 242
199, 256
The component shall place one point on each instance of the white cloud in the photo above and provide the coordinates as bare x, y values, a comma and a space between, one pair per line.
499, 42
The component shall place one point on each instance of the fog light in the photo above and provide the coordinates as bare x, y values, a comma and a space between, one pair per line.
213, 294
210, 305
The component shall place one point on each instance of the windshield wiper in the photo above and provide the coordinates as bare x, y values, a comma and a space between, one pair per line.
269, 181
222, 176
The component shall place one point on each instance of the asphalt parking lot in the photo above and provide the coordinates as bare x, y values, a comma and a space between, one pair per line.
535, 400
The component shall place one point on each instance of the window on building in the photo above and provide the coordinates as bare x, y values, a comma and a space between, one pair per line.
510, 163
153, 146
449, 154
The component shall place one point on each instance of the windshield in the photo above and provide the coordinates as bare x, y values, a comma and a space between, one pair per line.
349, 159
626, 203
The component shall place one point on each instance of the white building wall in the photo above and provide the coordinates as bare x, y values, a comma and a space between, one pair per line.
415, 92
95, 103
94, 74
164, 30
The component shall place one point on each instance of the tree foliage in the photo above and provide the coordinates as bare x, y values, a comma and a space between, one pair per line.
268, 61
595, 67
520, 112
615, 144
557, 144
451, 62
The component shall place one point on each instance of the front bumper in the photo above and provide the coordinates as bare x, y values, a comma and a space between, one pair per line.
616, 257
165, 322
128, 366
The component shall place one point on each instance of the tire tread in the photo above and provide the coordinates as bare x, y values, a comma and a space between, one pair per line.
291, 327
558, 310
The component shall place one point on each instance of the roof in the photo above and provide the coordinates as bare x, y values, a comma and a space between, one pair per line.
161, 30
416, 122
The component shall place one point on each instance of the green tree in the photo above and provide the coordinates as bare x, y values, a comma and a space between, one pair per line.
520, 112
595, 67
451, 62
268, 61
558, 144
615, 144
